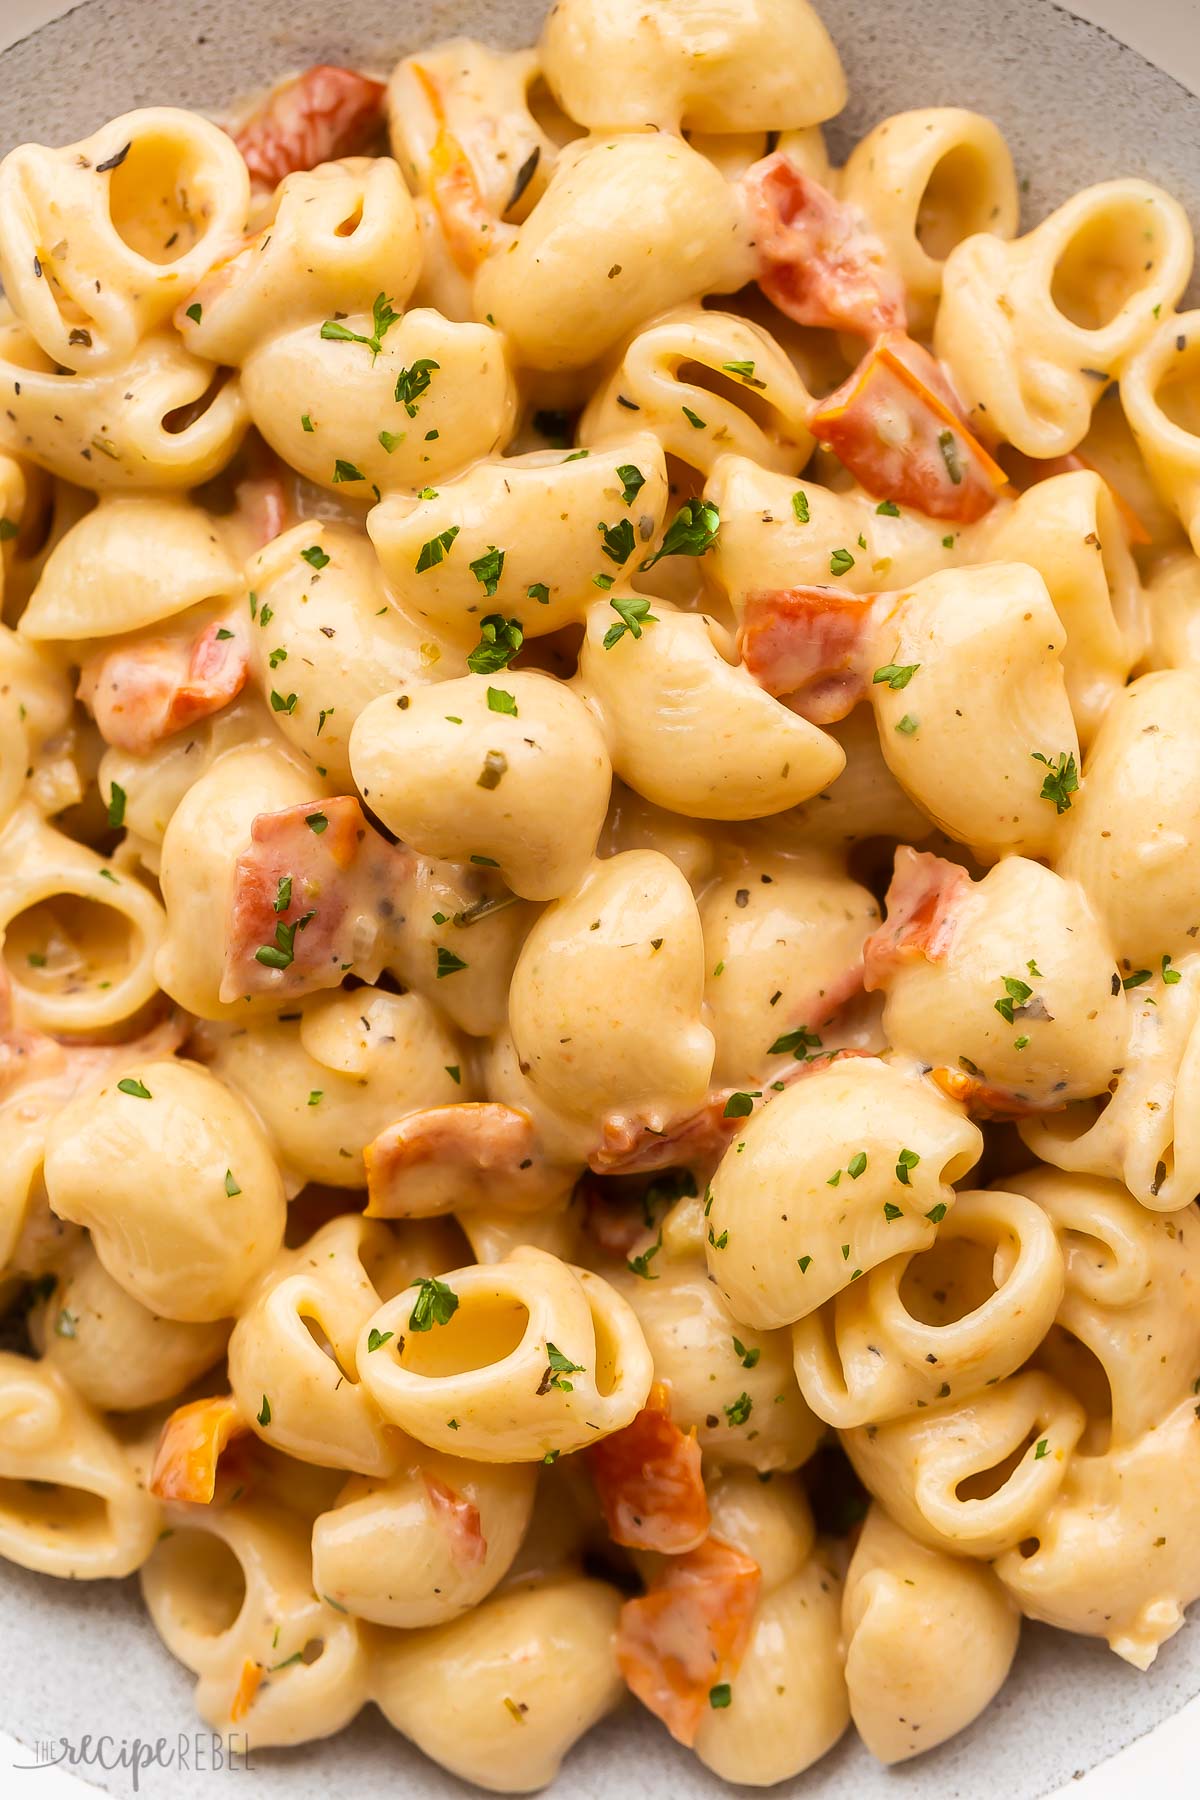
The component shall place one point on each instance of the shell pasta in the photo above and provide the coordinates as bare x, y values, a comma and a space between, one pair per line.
599, 948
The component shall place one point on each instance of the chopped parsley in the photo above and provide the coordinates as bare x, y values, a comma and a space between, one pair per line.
640, 1265
435, 1304
897, 675
888, 509
346, 471
376, 1339
1061, 780
1016, 993
840, 562
907, 1159
436, 550
633, 614
749, 1358
138, 1089
632, 480
315, 556
383, 318
692, 532
116, 812
499, 641
948, 445
617, 541
739, 1412
501, 701
448, 963
740, 1106
488, 568
559, 1367
801, 507
282, 953
231, 1186
795, 1043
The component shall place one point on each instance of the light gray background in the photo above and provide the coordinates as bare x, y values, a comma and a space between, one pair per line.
1077, 107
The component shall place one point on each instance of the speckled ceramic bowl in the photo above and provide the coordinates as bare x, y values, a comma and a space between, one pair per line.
1077, 105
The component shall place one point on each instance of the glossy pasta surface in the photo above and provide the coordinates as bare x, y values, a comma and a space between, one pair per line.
599, 940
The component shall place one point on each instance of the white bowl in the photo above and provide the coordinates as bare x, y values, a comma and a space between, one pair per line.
1077, 105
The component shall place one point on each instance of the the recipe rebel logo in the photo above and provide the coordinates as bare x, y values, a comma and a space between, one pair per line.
199, 1752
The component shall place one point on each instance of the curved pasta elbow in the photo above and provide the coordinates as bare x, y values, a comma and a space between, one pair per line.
507, 1361
692, 731
484, 1696
910, 1615
517, 775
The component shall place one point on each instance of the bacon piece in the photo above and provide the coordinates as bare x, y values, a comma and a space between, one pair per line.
812, 644
190, 1446
318, 116
648, 1481
983, 1101
459, 1518
631, 1146
249, 1682
821, 263
896, 425
147, 691
451, 1157
312, 895
922, 914
688, 1633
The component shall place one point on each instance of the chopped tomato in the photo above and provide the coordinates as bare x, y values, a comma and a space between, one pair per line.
190, 1446
648, 1481
982, 1100
459, 1518
312, 895
820, 262
812, 644
470, 229
477, 1142
147, 691
688, 1633
249, 1682
1026, 471
921, 914
896, 425
318, 116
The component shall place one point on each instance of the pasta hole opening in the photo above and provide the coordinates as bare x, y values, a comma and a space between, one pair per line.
181, 418
607, 1372
67, 945
205, 1579
1029, 1547
483, 1330
317, 1333
960, 199
958, 1165
1111, 257
984, 1483
948, 1282
349, 225
1078, 1369
751, 401
153, 201
1178, 391
50, 1506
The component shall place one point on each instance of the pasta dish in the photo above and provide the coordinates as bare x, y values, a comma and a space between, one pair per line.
600, 983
